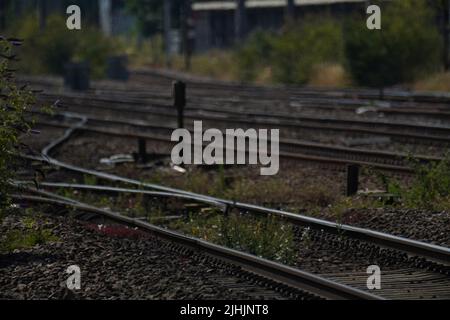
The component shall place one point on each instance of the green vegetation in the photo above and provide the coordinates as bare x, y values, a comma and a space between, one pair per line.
434, 82
29, 235
14, 103
317, 50
292, 56
90, 180
149, 14
48, 51
430, 188
266, 237
407, 47
321, 51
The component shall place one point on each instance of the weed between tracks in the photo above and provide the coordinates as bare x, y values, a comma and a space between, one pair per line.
27, 234
267, 237
430, 188
292, 190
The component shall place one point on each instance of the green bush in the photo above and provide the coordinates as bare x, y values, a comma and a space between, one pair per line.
292, 55
14, 103
430, 188
27, 237
254, 55
407, 46
265, 236
305, 46
47, 51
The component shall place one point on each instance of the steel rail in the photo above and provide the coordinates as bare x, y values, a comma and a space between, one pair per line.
220, 205
433, 252
285, 145
281, 273
360, 92
283, 154
289, 119
436, 253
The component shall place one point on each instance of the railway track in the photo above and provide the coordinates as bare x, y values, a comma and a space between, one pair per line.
300, 284
428, 264
162, 77
228, 99
104, 110
288, 124
289, 148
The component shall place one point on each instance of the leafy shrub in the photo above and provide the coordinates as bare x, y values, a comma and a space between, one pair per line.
305, 46
254, 55
94, 47
407, 46
293, 55
430, 188
27, 237
14, 103
266, 237
47, 51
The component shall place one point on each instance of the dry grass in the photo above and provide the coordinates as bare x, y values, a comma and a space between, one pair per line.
436, 82
214, 64
294, 189
329, 75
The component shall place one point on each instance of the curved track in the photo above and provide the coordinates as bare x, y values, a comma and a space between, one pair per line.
420, 254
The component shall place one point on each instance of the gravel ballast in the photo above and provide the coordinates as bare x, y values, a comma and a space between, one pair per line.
119, 264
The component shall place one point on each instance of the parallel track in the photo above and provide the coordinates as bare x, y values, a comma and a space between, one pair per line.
288, 278
425, 255
289, 148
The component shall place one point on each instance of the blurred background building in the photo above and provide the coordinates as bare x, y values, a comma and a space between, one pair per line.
217, 25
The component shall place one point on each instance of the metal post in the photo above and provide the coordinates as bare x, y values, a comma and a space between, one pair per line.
105, 8
167, 27
77, 76
352, 179
179, 101
2, 14
142, 151
116, 68
42, 12
447, 35
187, 24
290, 11
240, 20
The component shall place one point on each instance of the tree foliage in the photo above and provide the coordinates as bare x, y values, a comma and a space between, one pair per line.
407, 45
293, 54
48, 51
304, 46
149, 14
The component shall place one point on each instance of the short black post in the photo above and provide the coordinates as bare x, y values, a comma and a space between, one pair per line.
352, 179
116, 68
142, 151
179, 101
77, 76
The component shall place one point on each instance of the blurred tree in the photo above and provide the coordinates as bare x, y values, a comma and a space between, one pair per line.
304, 46
407, 46
149, 14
